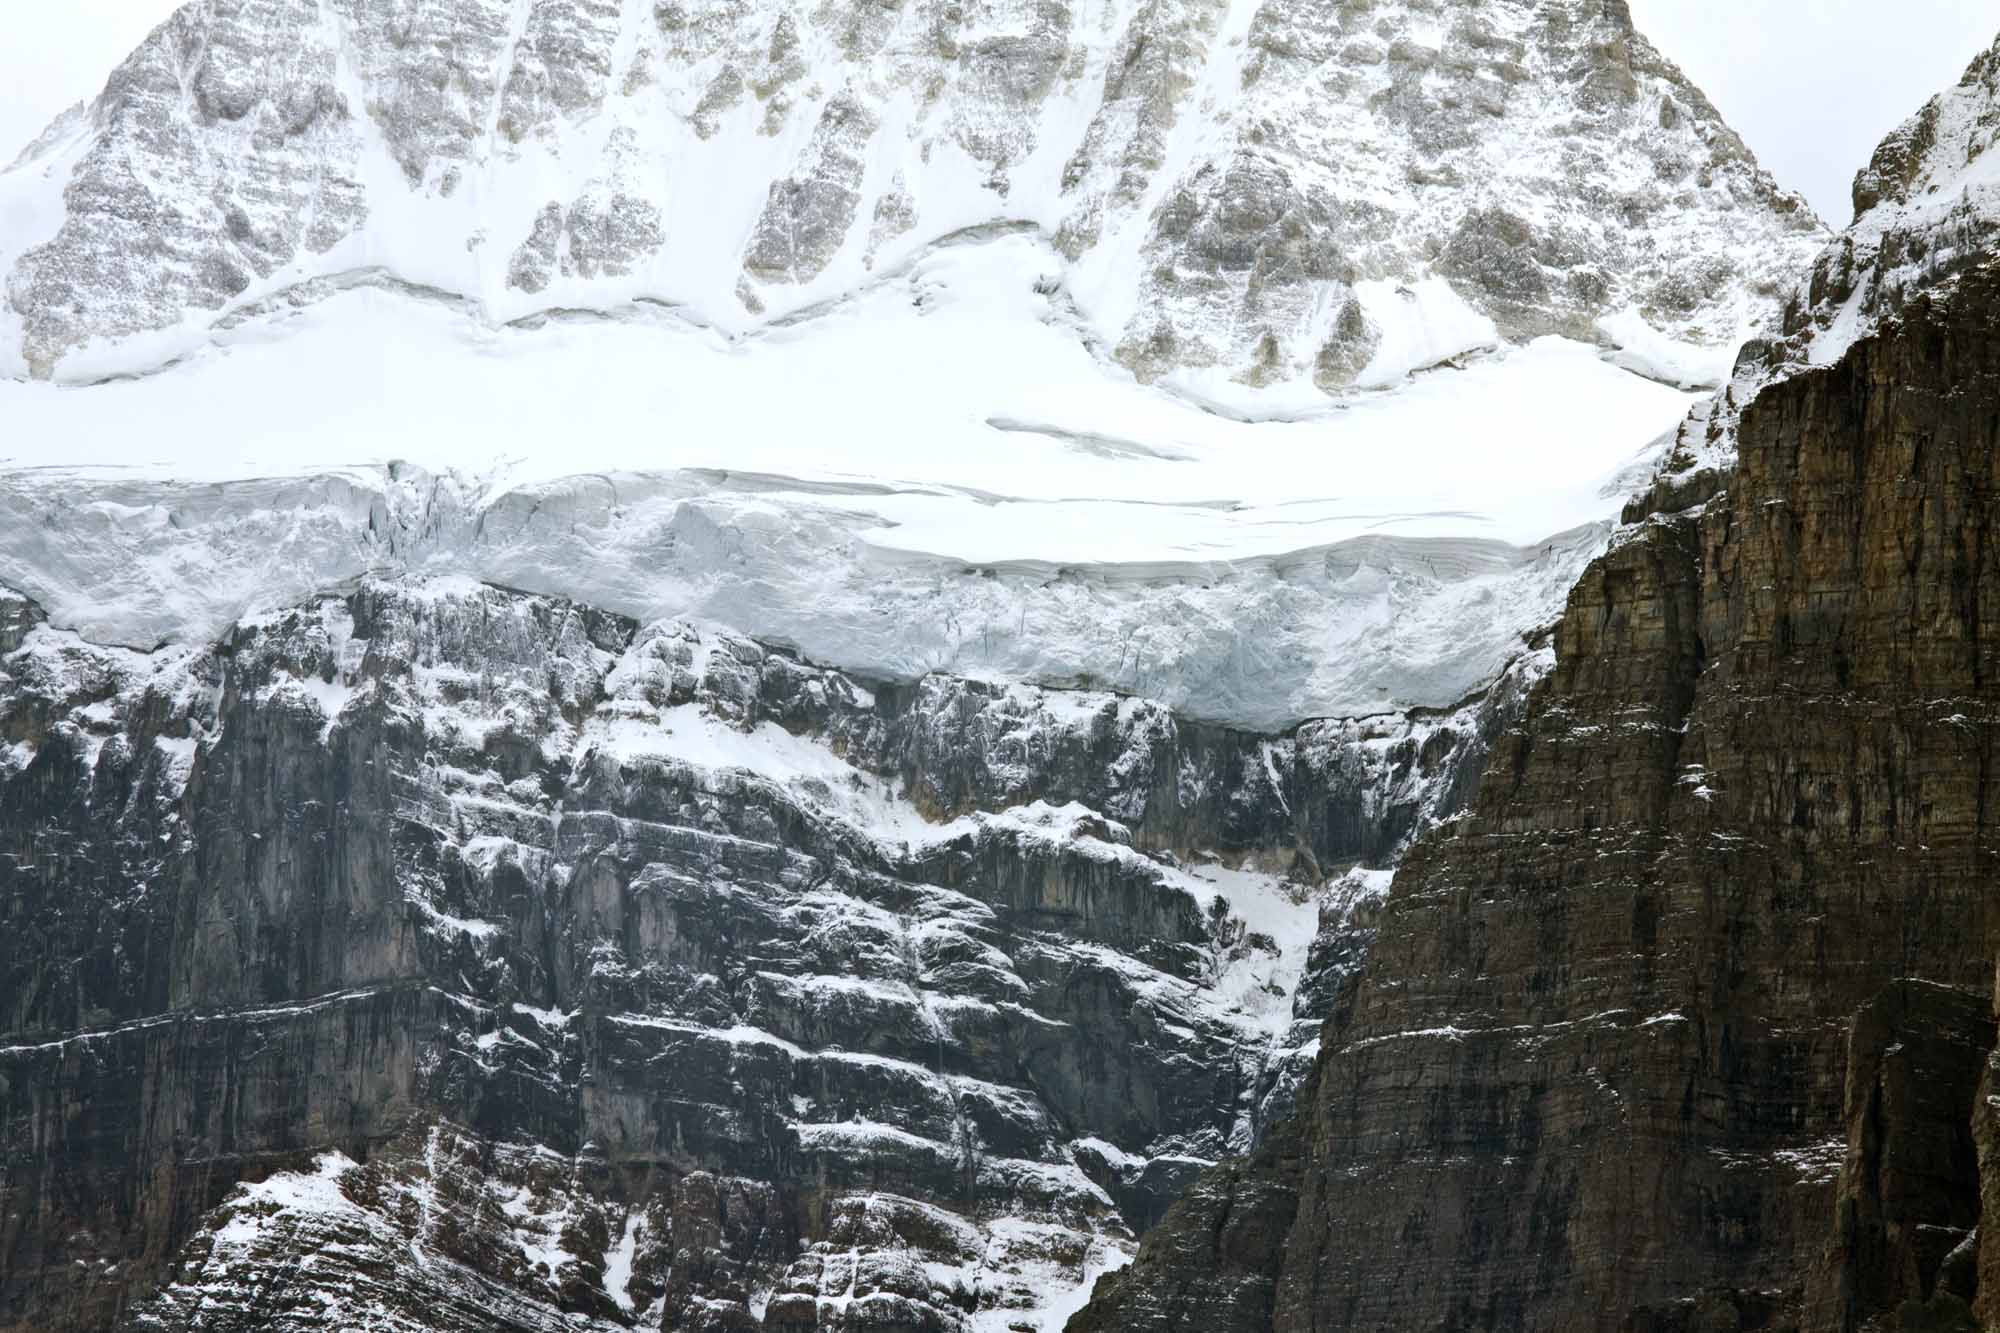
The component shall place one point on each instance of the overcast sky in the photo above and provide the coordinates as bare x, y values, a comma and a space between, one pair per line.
1813, 85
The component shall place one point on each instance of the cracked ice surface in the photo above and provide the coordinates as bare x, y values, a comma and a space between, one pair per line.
935, 476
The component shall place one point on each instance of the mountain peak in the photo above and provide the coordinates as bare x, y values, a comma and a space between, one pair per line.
1927, 211
1245, 195
1934, 152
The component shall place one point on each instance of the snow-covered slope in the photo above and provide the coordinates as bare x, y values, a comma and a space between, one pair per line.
942, 481
1242, 195
1072, 342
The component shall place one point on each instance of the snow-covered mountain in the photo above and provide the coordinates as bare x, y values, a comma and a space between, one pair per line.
757, 665
1231, 195
983, 340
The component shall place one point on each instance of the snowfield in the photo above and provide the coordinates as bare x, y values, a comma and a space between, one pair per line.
936, 475
961, 389
1260, 361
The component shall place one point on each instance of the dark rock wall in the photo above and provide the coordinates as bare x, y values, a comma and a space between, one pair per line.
1906, 1213
375, 877
1596, 1071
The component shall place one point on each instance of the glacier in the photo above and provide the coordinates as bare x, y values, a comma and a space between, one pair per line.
939, 478
1276, 365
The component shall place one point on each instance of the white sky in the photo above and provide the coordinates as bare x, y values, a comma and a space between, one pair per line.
1813, 85
57, 52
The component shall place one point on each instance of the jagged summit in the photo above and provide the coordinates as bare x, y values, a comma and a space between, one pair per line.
1236, 194
1927, 208
1926, 211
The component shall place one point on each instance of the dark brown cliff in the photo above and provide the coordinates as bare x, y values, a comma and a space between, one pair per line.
1597, 1071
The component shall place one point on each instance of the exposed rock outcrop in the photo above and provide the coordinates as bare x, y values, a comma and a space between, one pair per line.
1925, 209
1907, 1207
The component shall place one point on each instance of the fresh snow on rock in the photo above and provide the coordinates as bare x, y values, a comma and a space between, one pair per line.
894, 581
1239, 193
1925, 207
900, 933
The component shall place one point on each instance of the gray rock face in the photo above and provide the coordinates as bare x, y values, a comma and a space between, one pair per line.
1241, 187
597, 235
289, 187
810, 213
430, 954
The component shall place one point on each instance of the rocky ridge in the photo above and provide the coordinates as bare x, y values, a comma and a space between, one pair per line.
1925, 208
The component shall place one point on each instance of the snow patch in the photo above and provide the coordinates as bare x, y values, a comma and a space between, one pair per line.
809, 771
618, 1264
1642, 349
1421, 324
253, 1208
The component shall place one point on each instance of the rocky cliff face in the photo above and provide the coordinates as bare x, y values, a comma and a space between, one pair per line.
429, 955
840, 850
1684, 1027
1256, 192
